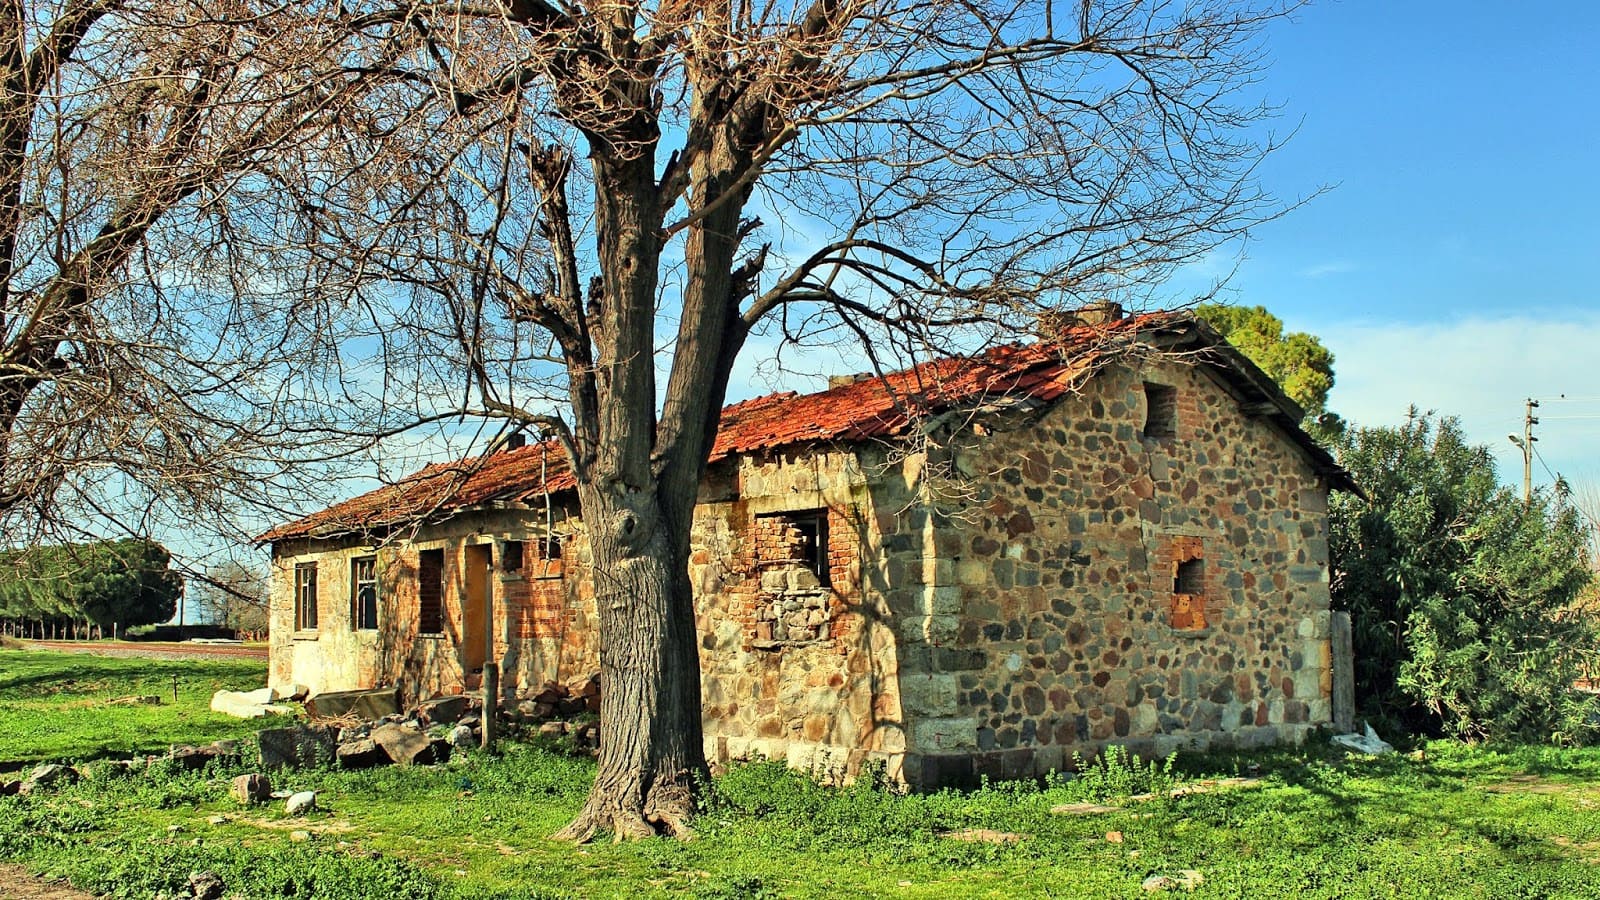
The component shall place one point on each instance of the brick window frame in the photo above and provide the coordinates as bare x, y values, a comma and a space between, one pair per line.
305, 596
364, 593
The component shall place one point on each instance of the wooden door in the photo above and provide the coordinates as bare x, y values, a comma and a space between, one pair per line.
474, 606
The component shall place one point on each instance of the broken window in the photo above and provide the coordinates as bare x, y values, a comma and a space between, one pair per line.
1160, 411
1188, 585
305, 597
430, 592
791, 551
795, 539
364, 592
544, 557
1190, 577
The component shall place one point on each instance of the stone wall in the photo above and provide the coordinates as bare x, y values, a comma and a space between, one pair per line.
798, 655
1114, 587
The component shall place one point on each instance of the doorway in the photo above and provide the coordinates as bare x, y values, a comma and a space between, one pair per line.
474, 606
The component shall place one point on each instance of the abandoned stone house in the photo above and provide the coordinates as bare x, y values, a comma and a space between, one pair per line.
975, 566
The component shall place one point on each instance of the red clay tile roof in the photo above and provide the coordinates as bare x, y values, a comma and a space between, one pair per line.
872, 408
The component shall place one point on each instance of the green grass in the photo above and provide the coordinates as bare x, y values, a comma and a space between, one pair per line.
54, 705
1452, 821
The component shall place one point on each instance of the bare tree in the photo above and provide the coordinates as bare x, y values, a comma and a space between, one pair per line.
595, 206
152, 364
232, 595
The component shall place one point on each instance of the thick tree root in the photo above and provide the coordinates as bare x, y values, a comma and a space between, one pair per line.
667, 812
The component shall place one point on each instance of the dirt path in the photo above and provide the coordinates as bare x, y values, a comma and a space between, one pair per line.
155, 650
17, 884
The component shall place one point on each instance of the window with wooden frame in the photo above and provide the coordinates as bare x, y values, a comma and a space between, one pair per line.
364, 593
430, 592
1160, 411
305, 597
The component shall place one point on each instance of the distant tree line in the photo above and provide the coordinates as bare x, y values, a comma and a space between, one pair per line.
110, 583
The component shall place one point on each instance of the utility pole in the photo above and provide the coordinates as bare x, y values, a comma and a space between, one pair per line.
1525, 444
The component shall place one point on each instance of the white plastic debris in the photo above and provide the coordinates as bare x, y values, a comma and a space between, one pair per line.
1368, 743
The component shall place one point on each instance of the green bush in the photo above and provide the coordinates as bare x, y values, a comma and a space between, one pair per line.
1460, 593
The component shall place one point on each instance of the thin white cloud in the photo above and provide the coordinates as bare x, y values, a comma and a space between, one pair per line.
1481, 370
1330, 268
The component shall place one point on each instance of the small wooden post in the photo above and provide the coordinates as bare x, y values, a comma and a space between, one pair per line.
491, 664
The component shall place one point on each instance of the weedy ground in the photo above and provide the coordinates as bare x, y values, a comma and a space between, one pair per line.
57, 706
1448, 821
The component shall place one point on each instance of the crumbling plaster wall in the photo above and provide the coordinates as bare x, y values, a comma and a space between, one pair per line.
543, 620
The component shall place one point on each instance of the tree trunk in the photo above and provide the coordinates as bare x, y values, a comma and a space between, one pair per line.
652, 759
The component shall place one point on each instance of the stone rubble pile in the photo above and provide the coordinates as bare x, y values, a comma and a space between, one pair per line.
427, 734
551, 708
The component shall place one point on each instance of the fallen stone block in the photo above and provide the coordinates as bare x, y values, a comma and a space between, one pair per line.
1083, 809
10, 788
370, 705
47, 775
206, 886
587, 686
192, 759
405, 746
295, 692
252, 788
361, 753
1368, 742
296, 746
549, 693
242, 706
587, 735
442, 710
462, 738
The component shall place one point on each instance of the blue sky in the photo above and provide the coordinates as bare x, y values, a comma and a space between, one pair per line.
1449, 259
1451, 262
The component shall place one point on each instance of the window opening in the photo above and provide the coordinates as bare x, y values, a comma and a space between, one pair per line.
364, 592
305, 597
798, 539
1190, 578
1161, 411
511, 556
430, 591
